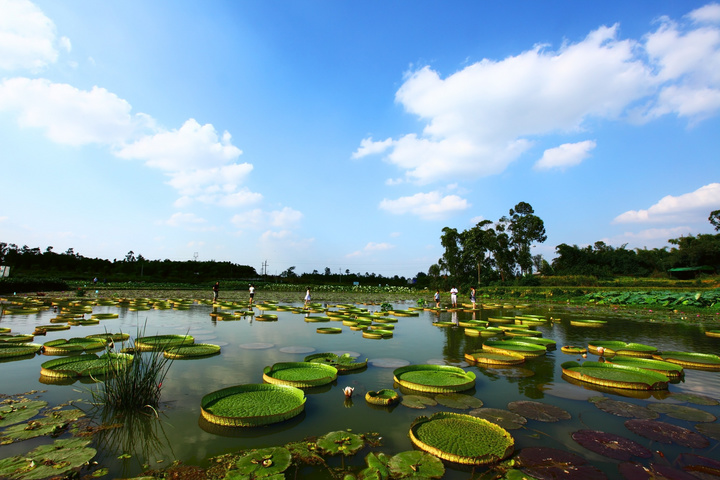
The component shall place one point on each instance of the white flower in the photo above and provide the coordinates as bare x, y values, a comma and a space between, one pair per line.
348, 391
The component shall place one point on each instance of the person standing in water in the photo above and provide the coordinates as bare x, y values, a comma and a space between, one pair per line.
252, 293
453, 296
472, 297
437, 298
307, 296
216, 291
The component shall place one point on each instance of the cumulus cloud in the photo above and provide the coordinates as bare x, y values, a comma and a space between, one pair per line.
183, 219
566, 155
370, 248
285, 219
482, 118
27, 37
693, 206
428, 206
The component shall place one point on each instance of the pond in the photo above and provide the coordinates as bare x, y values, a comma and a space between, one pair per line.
249, 345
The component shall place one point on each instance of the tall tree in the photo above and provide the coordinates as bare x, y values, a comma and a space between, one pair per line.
525, 228
476, 244
715, 219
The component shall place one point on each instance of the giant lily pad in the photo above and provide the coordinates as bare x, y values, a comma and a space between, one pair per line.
343, 442
495, 358
19, 411
161, 342
196, 350
19, 338
343, 363
695, 398
700, 361
682, 412
610, 445
300, 374
573, 350
62, 346
542, 412
666, 433
418, 401
252, 405
115, 337
384, 396
623, 409
50, 423
11, 350
588, 323
553, 463
615, 376
434, 378
527, 350
481, 442
700, 465
45, 461
711, 430
505, 418
85, 365
459, 401
416, 463
670, 370
262, 463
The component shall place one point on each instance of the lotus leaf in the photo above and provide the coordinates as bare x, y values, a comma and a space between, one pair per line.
192, 351
104, 316
666, 433
505, 418
683, 412
572, 350
11, 350
382, 397
264, 462
52, 422
610, 445
418, 401
545, 342
161, 342
482, 442
459, 401
85, 365
300, 374
316, 318
51, 460
495, 358
542, 412
615, 376
670, 370
62, 346
711, 430
553, 463
693, 398
19, 411
623, 409
252, 405
483, 332
527, 350
434, 378
416, 464
701, 361
638, 471
266, 317
115, 337
343, 442
608, 347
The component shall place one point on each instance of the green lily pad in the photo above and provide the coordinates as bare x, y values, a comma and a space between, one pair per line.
62, 346
418, 401
434, 378
45, 461
384, 396
639, 471
300, 374
416, 464
623, 409
527, 350
666, 433
695, 398
343, 363
542, 412
682, 412
52, 422
376, 467
161, 342
343, 442
615, 376
251, 405
495, 358
264, 462
610, 445
458, 401
196, 350
85, 365
505, 418
700, 361
711, 430
19, 411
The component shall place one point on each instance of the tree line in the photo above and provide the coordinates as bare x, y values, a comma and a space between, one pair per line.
500, 252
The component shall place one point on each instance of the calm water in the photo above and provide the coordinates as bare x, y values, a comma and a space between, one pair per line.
183, 436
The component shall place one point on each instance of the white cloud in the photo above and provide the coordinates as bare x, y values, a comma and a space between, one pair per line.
649, 238
370, 248
476, 220
483, 117
27, 37
258, 219
183, 219
428, 206
691, 206
68, 115
566, 155
709, 13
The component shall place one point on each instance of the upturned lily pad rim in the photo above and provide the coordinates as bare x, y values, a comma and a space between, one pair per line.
493, 429
194, 350
584, 373
383, 396
447, 369
669, 369
63, 367
522, 348
321, 374
8, 350
700, 361
160, 342
495, 358
244, 420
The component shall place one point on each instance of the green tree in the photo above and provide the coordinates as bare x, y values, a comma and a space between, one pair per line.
715, 219
525, 229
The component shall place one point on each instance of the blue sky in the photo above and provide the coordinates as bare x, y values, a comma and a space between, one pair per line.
348, 134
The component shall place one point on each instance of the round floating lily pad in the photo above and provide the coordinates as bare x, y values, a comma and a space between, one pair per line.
700, 361
53, 460
605, 347
416, 464
384, 396
264, 462
495, 358
610, 445
104, 316
19, 412
19, 338
266, 317
62, 346
527, 350
388, 362
699, 464
666, 433
639, 471
542, 412
434, 378
682, 412
340, 442
623, 409
553, 463
615, 376
252, 405
257, 346
329, 330
572, 350
314, 319
670, 370
161, 342
195, 350
711, 430
9, 350
115, 337
297, 349
459, 401
481, 442
300, 374
505, 418
695, 398
350, 353
85, 365
343, 363
418, 401
588, 323
713, 333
